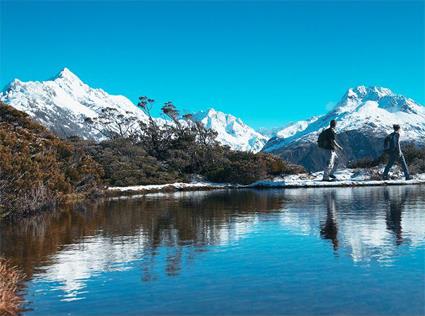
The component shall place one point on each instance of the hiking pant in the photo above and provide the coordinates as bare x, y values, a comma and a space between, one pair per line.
392, 159
331, 164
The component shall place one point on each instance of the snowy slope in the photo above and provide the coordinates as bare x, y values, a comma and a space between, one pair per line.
61, 104
369, 109
365, 115
231, 130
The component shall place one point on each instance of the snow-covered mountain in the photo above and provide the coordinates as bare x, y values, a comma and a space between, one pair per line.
364, 115
62, 104
231, 130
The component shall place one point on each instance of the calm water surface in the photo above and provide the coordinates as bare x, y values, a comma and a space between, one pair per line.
344, 251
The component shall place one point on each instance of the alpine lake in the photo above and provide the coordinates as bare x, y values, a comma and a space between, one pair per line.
330, 251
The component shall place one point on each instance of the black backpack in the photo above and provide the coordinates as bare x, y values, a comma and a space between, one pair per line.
323, 140
389, 143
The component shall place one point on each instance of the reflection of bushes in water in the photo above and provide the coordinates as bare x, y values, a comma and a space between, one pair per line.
192, 222
10, 281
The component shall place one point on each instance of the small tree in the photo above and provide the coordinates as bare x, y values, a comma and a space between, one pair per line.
153, 136
112, 124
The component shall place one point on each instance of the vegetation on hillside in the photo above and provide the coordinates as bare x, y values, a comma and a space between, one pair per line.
158, 153
415, 158
37, 169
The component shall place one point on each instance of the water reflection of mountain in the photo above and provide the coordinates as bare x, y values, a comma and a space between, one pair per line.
70, 246
165, 232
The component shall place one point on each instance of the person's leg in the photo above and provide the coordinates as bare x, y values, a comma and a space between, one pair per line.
329, 164
404, 166
335, 160
328, 160
391, 160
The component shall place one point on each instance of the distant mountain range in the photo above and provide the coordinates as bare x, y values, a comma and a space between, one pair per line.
364, 114
62, 104
232, 131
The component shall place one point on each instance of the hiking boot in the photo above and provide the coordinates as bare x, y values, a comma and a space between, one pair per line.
332, 176
409, 178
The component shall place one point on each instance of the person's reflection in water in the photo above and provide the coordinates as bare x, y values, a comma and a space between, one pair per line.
395, 202
329, 229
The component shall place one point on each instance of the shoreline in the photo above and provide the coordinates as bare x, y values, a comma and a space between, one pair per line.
264, 184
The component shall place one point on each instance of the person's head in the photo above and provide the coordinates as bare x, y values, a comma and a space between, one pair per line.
396, 128
332, 124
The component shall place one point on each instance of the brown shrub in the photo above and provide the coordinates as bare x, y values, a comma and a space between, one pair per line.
36, 168
10, 281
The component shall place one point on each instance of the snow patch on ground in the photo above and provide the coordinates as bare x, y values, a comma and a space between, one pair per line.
346, 177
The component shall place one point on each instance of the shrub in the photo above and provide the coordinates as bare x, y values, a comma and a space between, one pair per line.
36, 168
126, 163
415, 158
164, 153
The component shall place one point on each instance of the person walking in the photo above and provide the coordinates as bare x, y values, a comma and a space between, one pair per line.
393, 148
327, 142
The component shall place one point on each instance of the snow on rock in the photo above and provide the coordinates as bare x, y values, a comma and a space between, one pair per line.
232, 131
294, 128
171, 186
62, 104
346, 177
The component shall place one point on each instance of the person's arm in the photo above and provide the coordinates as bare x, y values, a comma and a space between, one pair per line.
397, 140
335, 144
333, 141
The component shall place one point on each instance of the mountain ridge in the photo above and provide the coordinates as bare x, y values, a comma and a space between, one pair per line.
364, 115
63, 102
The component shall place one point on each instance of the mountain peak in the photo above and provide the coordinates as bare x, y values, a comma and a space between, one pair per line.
67, 74
356, 98
231, 131
211, 111
372, 93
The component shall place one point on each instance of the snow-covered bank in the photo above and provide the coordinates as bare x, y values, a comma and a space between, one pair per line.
347, 177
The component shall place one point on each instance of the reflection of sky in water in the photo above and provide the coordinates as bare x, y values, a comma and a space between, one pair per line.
364, 230
189, 233
76, 263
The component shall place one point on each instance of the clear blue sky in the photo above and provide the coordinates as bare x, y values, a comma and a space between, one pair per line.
268, 63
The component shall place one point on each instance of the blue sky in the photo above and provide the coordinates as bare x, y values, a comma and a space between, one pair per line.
267, 62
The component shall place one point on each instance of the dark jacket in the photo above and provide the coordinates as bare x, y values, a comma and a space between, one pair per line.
331, 138
395, 148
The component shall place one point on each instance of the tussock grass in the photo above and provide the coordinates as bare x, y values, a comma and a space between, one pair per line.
10, 280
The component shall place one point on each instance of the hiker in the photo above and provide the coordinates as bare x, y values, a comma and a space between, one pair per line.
392, 147
327, 141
